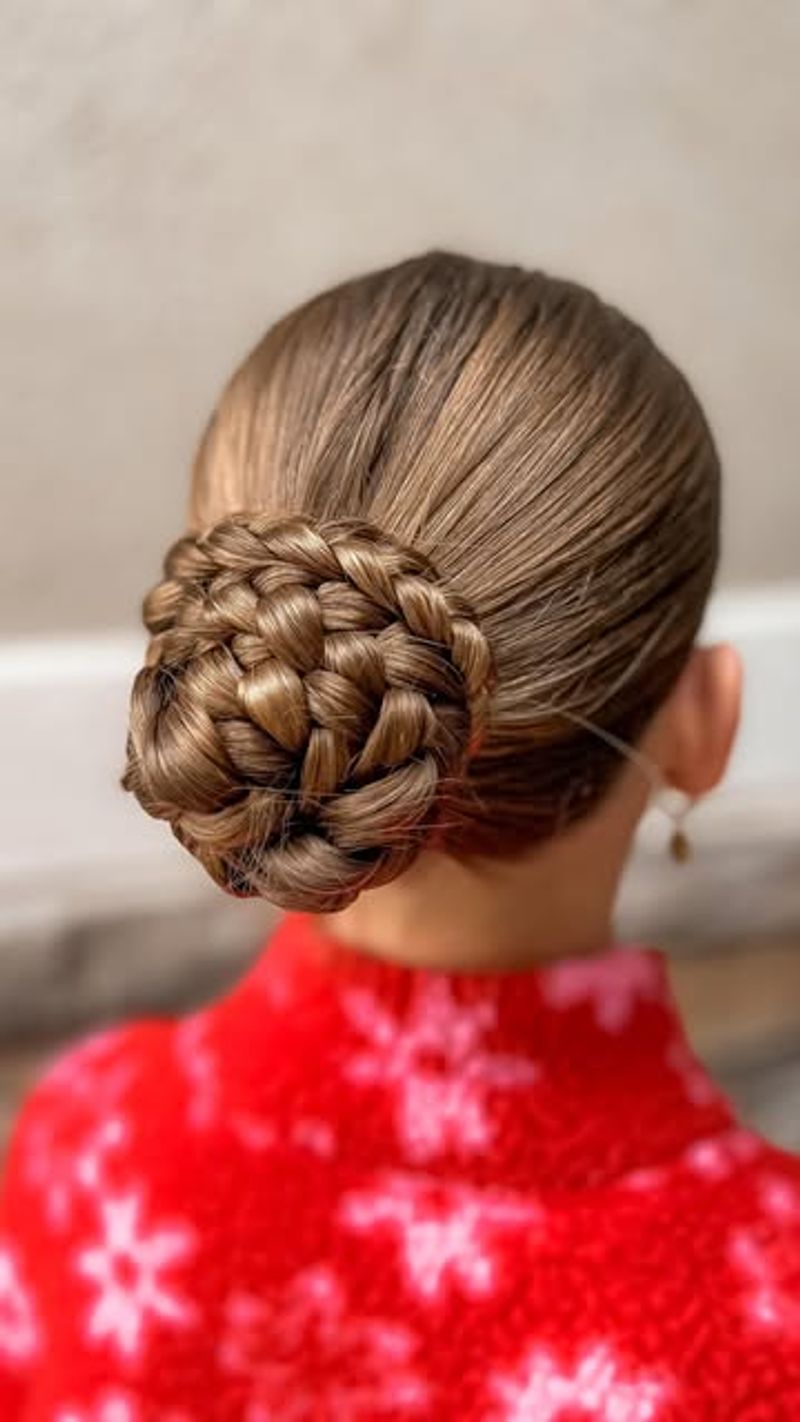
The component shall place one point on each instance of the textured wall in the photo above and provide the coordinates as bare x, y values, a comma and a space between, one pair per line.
176, 172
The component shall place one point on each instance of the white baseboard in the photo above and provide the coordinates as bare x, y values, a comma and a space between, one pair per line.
63, 708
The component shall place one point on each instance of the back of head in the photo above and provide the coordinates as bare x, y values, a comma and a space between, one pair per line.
445, 519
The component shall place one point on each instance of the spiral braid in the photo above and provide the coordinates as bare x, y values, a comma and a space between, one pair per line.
310, 696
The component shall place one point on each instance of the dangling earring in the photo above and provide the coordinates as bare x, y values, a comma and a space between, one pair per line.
679, 844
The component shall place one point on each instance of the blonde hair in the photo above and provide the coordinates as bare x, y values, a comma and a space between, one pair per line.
445, 518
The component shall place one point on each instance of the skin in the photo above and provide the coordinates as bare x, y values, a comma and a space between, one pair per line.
496, 915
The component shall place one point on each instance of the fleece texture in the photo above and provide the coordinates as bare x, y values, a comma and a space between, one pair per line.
349, 1191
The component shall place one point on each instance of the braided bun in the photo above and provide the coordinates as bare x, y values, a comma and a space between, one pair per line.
310, 696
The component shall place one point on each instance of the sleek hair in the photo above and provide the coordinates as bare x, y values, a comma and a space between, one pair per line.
448, 521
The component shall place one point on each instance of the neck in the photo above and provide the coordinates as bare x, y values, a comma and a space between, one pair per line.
554, 901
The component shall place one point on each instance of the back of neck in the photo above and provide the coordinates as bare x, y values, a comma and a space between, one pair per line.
553, 901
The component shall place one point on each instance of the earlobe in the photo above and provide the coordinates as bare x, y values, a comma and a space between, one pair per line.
703, 714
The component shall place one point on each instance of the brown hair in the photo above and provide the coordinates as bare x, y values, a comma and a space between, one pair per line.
446, 519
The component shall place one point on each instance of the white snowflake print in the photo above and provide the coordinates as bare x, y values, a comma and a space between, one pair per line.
308, 1133
57, 1161
438, 1066
61, 1171
114, 1407
779, 1198
717, 1157
447, 1233
596, 1386
117, 1407
127, 1269
646, 1181
300, 1355
87, 1072
254, 1133
277, 988
20, 1339
771, 1296
314, 1135
198, 1062
613, 986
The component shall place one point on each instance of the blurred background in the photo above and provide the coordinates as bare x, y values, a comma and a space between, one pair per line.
175, 175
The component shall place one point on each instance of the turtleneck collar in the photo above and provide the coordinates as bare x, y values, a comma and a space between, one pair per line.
566, 1075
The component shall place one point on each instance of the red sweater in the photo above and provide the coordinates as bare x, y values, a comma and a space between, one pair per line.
352, 1192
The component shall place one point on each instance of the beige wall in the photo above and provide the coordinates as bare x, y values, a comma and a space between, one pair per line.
176, 172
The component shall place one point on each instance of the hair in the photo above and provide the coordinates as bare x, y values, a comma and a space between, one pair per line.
448, 521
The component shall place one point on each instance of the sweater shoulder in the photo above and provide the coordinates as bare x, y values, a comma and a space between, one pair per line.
87, 1082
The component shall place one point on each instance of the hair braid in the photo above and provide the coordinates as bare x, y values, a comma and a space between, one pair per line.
310, 696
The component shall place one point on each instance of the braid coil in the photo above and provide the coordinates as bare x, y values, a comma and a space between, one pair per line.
310, 697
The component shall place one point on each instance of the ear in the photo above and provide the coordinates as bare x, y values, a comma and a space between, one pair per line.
699, 720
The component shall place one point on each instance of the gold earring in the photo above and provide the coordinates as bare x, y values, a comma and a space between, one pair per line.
680, 846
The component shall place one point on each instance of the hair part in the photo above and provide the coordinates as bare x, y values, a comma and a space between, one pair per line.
445, 517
